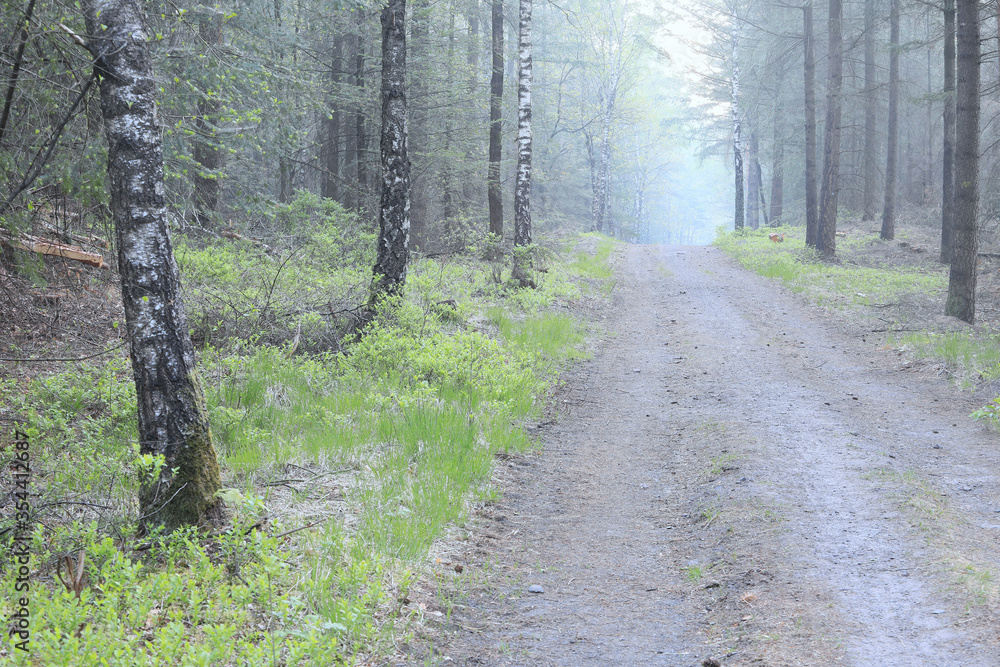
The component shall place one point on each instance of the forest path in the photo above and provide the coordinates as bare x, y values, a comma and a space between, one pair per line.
738, 476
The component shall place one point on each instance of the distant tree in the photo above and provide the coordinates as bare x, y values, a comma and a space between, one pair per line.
208, 152
948, 149
332, 132
778, 165
827, 236
418, 102
870, 157
360, 120
15, 69
892, 134
470, 187
173, 421
755, 194
449, 197
522, 186
394, 211
737, 127
809, 70
496, 123
961, 301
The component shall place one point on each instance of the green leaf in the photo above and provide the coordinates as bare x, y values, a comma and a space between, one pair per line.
230, 496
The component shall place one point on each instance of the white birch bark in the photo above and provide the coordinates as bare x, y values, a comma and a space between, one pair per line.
394, 211
737, 145
522, 186
172, 417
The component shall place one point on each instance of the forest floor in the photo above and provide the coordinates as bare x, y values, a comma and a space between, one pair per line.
737, 477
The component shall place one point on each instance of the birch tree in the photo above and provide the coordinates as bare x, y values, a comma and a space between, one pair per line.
496, 123
173, 421
522, 187
737, 145
394, 209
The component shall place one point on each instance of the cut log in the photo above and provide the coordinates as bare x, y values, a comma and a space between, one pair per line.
92, 240
43, 247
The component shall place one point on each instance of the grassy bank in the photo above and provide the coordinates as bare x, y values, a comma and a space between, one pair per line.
344, 459
862, 278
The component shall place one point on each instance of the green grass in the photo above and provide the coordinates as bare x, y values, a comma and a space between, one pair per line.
596, 265
401, 429
829, 284
972, 357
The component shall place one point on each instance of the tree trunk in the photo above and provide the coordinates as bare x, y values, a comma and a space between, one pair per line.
360, 129
870, 157
753, 182
827, 232
609, 217
418, 127
595, 183
394, 211
599, 209
286, 167
207, 152
351, 195
522, 186
737, 146
760, 181
892, 139
496, 100
996, 15
330, 182
961, 301
15, 69
809, 68
778, 169
929, 186
469, 188
592, 164
286, 175
448, 195
173, 421
948, 176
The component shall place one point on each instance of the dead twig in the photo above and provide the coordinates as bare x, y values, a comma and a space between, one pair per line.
75, 583
295, 530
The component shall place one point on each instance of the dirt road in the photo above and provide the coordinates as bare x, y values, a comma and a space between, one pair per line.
737, 476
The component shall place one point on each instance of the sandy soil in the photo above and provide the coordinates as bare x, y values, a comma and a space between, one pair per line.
736, 478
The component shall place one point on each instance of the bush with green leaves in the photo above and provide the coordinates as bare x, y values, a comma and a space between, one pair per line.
317, 270
239, 597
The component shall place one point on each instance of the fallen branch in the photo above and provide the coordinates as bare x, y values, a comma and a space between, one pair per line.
295, 530
25, 360
34, 244
95, 241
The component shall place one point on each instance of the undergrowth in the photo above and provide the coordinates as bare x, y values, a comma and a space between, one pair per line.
342, 465
972, 357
